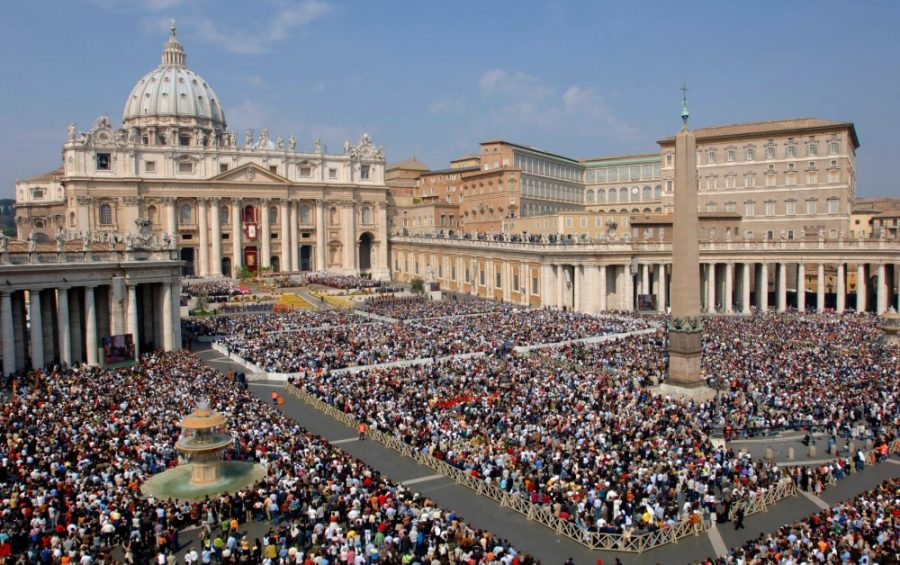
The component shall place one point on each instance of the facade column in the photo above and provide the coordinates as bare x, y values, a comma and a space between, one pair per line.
577, 294
645, 278
601, 288
203, 228
861, 287
295, 235
8, 329
764, 287
820, 287
711, 288
237, 260
781, 286
801, 287
728, 299
381, 269
133, 319
589, 292
628, 296
524, 284
841, 289
321, 237
171, 218
90, 326
176, 314
897, 284
881, 290
560, 286
350, 240
661, 284
285, 214
215, 261
64, 325
745, 288
37, 329
168, 330
507, 281
548, 286
266, 232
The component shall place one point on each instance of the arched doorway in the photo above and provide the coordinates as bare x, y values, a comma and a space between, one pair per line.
187, 255
226, 267
365, 252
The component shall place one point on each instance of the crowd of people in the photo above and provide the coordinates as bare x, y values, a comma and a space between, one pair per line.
211, 287
341, 282
861, 530
418, 307
321, 348
78, 443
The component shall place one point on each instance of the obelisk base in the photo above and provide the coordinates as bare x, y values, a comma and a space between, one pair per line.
685, 377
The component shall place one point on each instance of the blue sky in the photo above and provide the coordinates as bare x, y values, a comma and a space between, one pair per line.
432, 79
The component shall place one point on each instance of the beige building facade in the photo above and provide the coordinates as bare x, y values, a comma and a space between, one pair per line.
173, 164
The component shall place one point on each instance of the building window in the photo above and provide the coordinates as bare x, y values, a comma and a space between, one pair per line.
729, 155
223, 215
811, 207
833, 206
332, 173
152, 215
670, 159
750, 154
185, 167
790, 152
515, 284
103, 161
497, 280
305, 215
106, 218
812, 177
834, 177
770, 179
366, 215
812, 149
711, 207
730, 206
184, 140
711, 183
273, 214
749, 209
710, 156
569, 222
669, 186
534, 285
149, 166
770, 208
834, 148
185, 216
790, 179
37, 193
730, 182
305, 171
273, 169
481, 277
790, 208
770, 152
750, 180
223, 167
364, 172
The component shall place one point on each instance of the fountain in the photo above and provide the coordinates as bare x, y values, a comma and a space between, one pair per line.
203, 439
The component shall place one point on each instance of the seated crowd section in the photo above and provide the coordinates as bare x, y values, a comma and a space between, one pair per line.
79, 442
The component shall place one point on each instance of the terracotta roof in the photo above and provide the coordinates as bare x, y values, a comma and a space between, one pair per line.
53, 175
412, 164
772, 126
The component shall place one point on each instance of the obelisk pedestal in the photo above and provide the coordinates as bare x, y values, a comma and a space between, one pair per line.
685, 327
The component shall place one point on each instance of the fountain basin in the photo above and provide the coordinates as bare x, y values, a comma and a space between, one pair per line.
176, 482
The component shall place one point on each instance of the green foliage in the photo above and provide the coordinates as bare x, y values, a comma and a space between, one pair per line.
417, 286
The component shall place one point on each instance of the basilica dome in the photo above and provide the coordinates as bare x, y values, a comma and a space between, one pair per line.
173, 94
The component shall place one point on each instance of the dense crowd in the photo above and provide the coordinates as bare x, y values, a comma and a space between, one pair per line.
210, 287
292, 321
342, 282
418, 307
78, 444
862, 530
335, 347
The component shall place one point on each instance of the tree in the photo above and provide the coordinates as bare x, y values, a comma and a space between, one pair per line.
417, 286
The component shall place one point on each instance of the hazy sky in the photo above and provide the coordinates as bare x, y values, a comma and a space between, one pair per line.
433, 79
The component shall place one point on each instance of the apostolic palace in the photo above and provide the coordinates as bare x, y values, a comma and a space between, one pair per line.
780, 224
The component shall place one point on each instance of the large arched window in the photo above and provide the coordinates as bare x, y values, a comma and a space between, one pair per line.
366, 215
223, 215
601, 196
589, 198
613, 195
332, 215
273, 214
185, 214
304, 215
106, 215
657, 192
647, 193
623, 194
249, 214
151, 214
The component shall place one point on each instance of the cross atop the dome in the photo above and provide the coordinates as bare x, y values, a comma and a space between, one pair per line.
172, 27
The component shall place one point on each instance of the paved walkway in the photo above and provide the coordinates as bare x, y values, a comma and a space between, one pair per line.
529, 536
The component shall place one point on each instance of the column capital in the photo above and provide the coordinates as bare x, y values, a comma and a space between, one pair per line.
214, 200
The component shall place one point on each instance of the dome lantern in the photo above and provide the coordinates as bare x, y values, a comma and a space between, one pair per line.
173, 52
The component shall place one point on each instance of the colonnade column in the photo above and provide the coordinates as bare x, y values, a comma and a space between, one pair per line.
176, 314
711, 287
820, 287
781, 286
560, 286
215, 261
203, 227
507, 281
382, 268
62, 316
7, 327
37, 329
645, 278
350, 240
601, 288
661, 288
628, 297
90, 325
320, 236
295, 229
881, 290
548, 288
266, 232
167, 316
801, 287
745, 288
284, 212
841, 289
861, 287
577, 284
728, 299
133, 319
763, 291
237, 260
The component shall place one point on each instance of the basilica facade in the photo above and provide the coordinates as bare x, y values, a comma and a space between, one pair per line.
174, 168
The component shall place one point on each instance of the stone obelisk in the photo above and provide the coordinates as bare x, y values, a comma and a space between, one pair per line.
685, 327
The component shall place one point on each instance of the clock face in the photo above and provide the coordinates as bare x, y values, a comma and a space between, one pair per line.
103, 137
634, 190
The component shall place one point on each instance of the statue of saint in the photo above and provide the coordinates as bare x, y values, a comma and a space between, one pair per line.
248, 138
347, 147
71, 132
4, 242
292, 143
318, 145
279, 143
